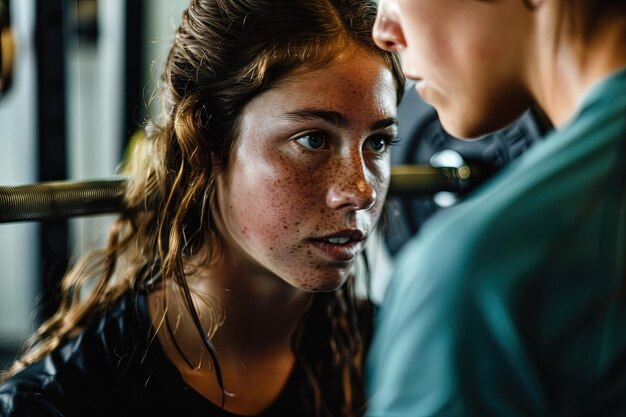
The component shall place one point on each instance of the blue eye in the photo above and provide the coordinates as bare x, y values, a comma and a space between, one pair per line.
312, 141
380, 144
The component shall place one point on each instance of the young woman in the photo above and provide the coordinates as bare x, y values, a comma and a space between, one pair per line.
226, 287
512, 304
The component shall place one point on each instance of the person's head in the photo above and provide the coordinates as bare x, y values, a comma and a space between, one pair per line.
481, 63
252, 88
308, 171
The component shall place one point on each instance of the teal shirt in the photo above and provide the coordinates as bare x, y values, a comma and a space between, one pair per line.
513, 303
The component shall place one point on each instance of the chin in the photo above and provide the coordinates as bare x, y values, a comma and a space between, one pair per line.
323, 284
472, 126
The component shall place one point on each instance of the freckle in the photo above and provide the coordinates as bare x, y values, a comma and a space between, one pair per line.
285, 227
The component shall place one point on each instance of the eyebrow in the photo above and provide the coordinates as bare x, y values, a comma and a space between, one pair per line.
385, 123
336, 118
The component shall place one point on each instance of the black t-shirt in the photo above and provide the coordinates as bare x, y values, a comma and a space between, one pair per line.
116, 367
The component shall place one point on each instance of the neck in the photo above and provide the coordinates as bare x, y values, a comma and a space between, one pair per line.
566, 72
250, 315
261, 311
248, 312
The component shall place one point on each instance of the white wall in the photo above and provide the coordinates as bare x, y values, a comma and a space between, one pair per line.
162, 19
18, 159
95, 102
95, 98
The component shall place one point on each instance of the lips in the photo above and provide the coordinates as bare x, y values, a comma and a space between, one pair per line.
343, 246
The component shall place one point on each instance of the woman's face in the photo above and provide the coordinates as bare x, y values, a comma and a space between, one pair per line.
468, 57
309, 172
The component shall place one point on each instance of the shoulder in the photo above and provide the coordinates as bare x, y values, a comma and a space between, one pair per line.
84, 370
34, 391
483, 239
534, 219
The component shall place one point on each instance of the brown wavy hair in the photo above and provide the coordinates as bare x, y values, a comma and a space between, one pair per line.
224, 54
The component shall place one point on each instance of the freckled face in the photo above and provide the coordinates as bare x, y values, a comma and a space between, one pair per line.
309, 172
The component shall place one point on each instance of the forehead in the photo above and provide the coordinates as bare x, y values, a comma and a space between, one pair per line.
354, 83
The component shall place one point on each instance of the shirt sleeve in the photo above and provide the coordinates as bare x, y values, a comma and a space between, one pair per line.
31, 405
32, 392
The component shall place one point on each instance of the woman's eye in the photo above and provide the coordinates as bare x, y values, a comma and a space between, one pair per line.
379, 144
312, 141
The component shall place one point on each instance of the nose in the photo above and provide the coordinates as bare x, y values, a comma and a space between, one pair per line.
387, 32
350, 189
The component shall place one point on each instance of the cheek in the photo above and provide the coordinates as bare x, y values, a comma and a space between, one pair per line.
426, 33
381, 185
267, 203
380, 169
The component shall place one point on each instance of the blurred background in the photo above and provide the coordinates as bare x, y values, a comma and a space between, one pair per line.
83, 73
